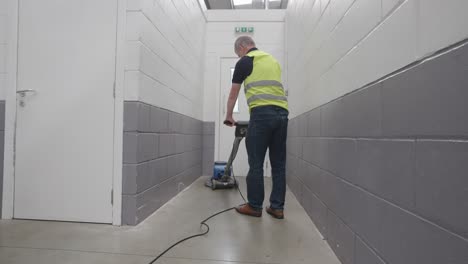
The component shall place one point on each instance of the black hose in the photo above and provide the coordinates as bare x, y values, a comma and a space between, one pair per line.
203, 223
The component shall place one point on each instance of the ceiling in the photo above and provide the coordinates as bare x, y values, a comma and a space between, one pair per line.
246, 4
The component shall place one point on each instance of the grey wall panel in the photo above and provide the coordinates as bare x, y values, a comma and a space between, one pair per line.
407, 238
129, 210
461, 55
158, 171
293, 128
129, 175
292, 163
186, 126
2, 157
329, 190
175, 164
295, 185
208, 141
302, 125
148, 145
311, 177
179, 143
367, 218
208, 128
313, 123
315, 151
402, 237
316, 210
411, 107
441, 189
362, 113
2, 149
162, 155
427, 100
2, 115
344, 206
342, 158
131, 116
333, 119
395, 166
159, 120
294, 146
341, 238
175, 122
167, 144
208, 161
364, 254
144, 116
130, 148
386, 168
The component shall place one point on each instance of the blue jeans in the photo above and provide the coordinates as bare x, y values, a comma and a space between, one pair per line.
268, 127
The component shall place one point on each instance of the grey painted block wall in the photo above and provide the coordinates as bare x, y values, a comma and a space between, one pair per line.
383, 172
208, 148
162, 155
2, 148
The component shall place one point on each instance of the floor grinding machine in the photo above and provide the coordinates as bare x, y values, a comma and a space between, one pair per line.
223, 176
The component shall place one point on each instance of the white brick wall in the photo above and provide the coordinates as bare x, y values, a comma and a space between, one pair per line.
165, 53
336, 46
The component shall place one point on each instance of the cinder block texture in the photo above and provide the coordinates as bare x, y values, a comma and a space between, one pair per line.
382, 171
162, 151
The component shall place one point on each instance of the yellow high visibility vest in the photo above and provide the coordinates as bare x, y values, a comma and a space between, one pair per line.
263, 86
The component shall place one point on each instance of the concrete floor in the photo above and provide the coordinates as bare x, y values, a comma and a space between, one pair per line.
233, 238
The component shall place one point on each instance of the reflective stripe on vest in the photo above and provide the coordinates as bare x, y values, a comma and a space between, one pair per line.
266, 97
263, 83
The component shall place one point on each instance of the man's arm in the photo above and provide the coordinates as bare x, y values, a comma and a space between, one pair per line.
233, 94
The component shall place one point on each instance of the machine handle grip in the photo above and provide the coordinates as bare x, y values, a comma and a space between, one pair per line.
229, 123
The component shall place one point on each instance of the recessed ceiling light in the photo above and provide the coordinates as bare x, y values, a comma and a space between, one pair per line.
242, 2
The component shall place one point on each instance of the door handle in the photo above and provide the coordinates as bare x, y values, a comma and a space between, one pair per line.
23, 93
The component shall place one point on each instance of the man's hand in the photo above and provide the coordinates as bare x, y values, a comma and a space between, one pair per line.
229, 121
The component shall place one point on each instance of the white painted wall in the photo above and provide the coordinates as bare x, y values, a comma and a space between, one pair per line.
3, 47
165, 54
337, 46
220, 36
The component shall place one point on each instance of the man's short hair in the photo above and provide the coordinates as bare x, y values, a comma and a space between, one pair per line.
243, 41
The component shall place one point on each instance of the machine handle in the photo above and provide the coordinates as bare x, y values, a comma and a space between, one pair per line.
229, 123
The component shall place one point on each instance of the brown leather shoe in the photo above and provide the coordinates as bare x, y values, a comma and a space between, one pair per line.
246, 209
276, 213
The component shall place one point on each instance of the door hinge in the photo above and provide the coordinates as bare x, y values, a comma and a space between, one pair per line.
112, 196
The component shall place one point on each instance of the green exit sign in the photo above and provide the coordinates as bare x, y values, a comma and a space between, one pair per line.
244, 29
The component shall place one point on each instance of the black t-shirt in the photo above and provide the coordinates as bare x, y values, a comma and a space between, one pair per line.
243, 68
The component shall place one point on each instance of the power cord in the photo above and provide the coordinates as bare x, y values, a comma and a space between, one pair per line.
237, 186
203, 223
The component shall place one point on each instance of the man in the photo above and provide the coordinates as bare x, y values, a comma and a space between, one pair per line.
268, 106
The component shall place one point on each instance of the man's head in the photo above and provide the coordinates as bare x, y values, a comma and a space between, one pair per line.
242, 45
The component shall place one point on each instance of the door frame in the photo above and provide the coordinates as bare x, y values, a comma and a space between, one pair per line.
10, 111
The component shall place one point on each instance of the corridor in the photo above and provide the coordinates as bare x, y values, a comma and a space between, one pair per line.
113, 114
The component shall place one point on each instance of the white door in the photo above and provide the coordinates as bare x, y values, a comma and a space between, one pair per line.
241, 113
64, 133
